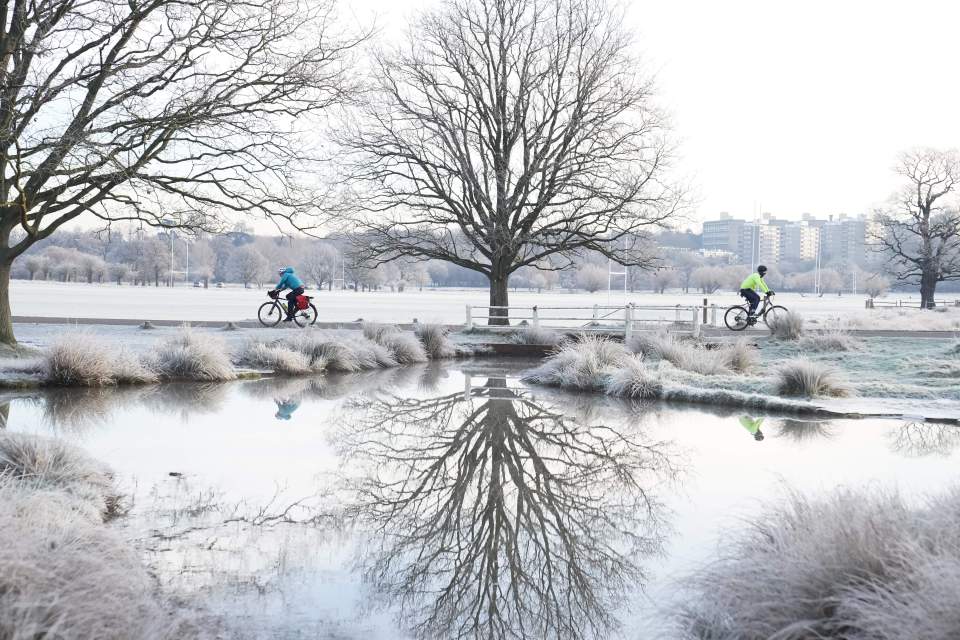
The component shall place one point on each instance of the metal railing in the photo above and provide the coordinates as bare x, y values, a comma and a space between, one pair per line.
623, 319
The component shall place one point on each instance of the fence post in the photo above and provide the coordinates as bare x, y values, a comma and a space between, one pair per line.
627, 322
677, 319
713, 315
696, 322
704, 311
469, 325
535, 319
596, 313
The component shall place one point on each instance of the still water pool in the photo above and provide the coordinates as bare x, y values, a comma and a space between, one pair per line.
452, 500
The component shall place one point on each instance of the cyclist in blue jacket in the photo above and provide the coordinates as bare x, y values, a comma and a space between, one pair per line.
289, 280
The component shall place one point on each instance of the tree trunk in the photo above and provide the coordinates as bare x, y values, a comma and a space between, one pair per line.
206, 282
928, 286
6, 317
499, 297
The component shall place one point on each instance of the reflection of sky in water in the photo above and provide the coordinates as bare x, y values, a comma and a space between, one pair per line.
443, 430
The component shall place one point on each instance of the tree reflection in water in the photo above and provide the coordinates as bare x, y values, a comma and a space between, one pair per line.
494, 516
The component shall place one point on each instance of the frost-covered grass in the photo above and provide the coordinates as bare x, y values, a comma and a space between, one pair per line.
858, 564
806, 378
536, 336
787, 326
278, 358
405, 348
63, 574
82, 360
341, 352
435, 341
585, 364
632, 379
830, 340
49, 465
695, 356
192, 355
903, 319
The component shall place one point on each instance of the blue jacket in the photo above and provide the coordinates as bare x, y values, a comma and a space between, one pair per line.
289, 280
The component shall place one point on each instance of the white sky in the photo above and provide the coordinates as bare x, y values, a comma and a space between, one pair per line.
793, 107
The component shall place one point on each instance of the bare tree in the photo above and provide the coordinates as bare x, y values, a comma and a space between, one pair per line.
507, 132
663, 279
495, 516
920, 230
248, 265
33, 264
166, 112
875, 285
202, 261
153, 260
119, 271
708, 279
321, 263
591, 278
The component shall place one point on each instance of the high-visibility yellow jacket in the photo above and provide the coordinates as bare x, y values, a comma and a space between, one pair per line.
756, 283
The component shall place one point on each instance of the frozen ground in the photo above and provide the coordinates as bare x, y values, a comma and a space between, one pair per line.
49, 299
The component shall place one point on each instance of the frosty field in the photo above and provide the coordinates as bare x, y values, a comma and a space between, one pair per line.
232, 303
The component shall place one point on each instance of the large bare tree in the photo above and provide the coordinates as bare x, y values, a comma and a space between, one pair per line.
506, 132
921, 228
173, 112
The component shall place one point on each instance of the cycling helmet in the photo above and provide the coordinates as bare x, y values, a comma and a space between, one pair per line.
761, 269
281, 270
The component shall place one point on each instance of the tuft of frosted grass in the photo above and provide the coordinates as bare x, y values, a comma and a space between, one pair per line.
632, 379
536, 336
435, 341
741, 356
278, 358
809, 569
787, 326
904, 319
49, 465
190, 355
404, 347
803, 377
82, 360
63, 577
585, 364
738, 357
339, 352
830, 340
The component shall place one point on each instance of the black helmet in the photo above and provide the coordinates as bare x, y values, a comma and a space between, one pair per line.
761, 269
758, 436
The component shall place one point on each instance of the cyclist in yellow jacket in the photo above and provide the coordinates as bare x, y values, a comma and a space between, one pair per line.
749, 289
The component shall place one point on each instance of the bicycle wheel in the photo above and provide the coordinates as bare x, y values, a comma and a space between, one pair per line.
306, 317
270, 314
736, 318
773, 314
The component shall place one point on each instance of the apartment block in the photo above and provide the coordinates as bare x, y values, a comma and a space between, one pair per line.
724, 234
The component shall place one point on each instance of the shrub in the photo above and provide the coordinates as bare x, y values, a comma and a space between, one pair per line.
536, 336
278, 358
632, 379
787, 326
802, 377
585, 364
693, 356
190, 355
435, 341
376, 331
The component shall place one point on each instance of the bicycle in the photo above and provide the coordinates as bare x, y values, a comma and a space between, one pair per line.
737, 317
271, 313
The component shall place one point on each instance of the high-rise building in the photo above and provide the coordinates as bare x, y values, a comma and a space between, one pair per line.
848, 240
760, 243
723, 234
799, 242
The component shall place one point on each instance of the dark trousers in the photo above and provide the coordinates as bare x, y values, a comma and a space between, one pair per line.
292, 301
753, 297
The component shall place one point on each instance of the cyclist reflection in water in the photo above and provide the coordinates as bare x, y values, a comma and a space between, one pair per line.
753, 426
286, 407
